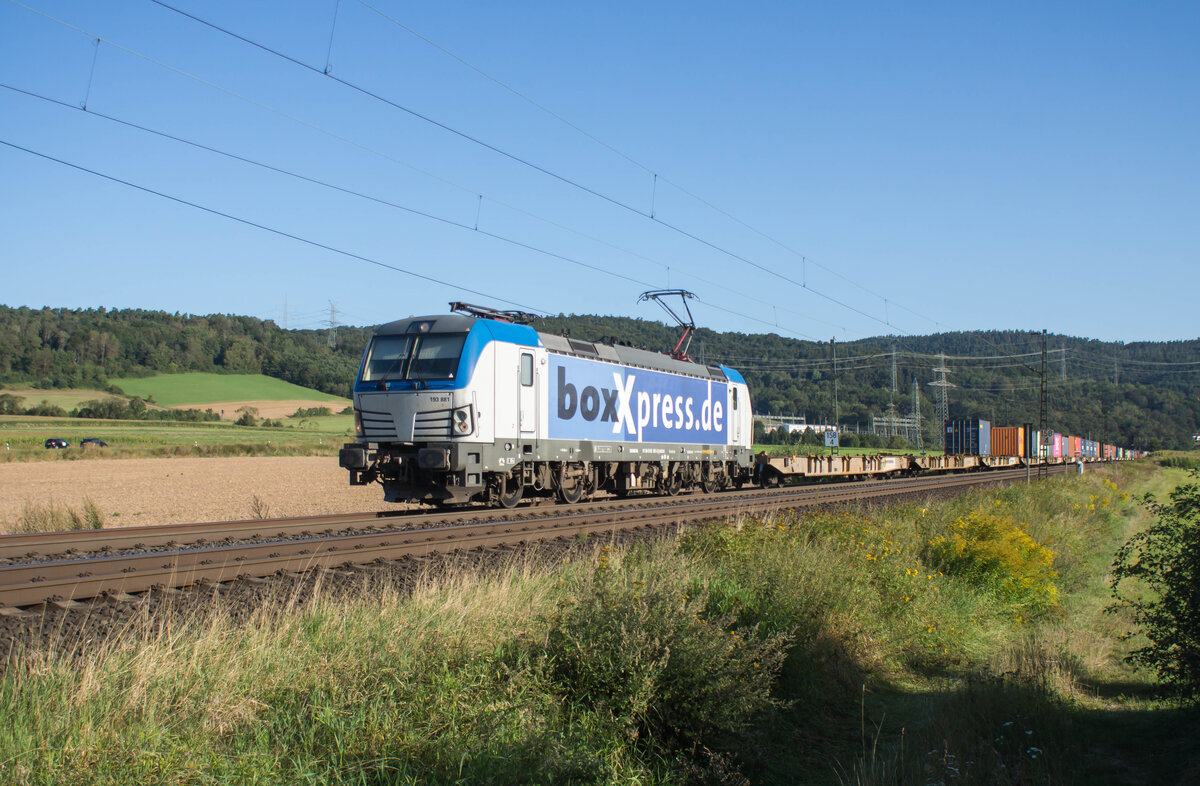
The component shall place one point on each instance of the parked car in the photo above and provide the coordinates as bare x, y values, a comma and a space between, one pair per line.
55, 442
94, 442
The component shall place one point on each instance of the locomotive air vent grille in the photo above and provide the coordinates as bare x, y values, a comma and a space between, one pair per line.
582, 347
378, 425
432, 424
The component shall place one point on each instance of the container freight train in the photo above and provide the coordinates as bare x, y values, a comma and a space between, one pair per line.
459, 408
979, 438
456, 408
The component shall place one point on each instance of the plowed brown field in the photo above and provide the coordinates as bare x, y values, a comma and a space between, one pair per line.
131, 492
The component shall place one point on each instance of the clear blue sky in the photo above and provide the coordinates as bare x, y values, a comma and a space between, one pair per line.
978, 165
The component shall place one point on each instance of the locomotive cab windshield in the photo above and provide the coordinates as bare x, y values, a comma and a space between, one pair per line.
413, 357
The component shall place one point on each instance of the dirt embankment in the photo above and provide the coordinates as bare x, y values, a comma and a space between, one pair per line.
133, 492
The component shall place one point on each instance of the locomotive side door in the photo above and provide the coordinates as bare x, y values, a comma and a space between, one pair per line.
735, 417
528, 394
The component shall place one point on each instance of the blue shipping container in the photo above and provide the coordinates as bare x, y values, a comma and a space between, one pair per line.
969, 437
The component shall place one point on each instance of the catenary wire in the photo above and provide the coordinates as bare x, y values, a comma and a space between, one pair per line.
648, 170
390, 158
405, 208
509, 155
517, 159
272, 230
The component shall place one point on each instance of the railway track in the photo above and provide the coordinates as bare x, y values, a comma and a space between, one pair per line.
65, 568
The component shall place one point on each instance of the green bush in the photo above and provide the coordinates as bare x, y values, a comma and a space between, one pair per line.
1165, 559
136, 409
47, 410
1180, 462
311, 412
636, 648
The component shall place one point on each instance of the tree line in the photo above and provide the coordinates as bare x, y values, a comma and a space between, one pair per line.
85, 348
1108, 391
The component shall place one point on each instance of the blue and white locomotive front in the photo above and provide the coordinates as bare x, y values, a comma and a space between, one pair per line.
430, 404
451, 409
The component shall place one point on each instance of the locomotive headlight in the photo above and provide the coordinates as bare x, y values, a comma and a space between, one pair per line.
462, 421
358, 427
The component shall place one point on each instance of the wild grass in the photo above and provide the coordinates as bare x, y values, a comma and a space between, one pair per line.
834, 648
55, 517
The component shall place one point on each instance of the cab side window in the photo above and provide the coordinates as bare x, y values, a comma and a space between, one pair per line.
526, 370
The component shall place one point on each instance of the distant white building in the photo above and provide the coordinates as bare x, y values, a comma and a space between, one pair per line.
791, 424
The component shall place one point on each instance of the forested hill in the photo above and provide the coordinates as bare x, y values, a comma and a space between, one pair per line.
71, 348
1140, 394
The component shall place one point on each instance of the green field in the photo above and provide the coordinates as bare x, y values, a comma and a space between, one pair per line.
24, 438
172, 390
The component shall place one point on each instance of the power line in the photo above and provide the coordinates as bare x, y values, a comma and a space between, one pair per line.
648, 170
376, 152
272, 230
497, 150
377, 200
515, 158
1109, 359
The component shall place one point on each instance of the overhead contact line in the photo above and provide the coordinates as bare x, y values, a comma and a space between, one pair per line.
515, 158
272, 230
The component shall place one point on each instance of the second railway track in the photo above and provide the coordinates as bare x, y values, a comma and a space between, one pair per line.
64, 568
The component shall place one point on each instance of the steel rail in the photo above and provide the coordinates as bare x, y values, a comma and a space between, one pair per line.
79, 579
26, 547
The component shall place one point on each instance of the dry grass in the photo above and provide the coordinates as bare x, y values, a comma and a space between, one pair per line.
457, 680
55, 517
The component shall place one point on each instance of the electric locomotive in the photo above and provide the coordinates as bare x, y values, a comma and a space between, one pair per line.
476, 407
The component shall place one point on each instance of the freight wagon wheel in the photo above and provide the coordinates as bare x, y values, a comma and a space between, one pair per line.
672, 485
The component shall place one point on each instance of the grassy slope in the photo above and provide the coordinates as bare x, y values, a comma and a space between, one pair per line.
633, 666
67, 399
172, 390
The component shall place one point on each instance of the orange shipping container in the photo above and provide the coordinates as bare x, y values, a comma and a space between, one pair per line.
1008, 441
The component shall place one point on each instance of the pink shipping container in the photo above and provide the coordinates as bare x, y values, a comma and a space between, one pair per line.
1056, 446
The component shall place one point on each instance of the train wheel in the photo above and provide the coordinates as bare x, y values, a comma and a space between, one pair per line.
570, 495
570, 487
511, 494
